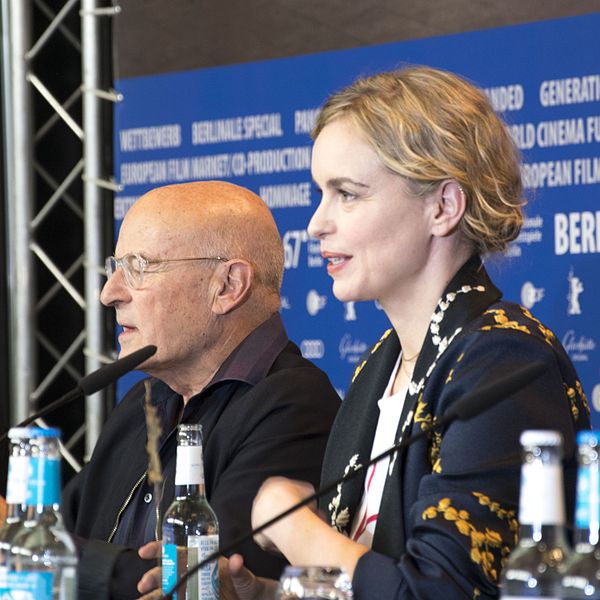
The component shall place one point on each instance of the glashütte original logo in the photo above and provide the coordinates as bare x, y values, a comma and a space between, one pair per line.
350, 349
530, 295
315, 302
578, 346
312, 348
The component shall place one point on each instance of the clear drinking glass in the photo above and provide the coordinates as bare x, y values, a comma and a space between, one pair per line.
314, 583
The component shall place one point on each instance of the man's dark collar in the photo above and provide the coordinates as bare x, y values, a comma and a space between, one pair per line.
251, 360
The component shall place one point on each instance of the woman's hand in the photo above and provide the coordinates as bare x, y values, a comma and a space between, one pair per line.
276, 495
302, 537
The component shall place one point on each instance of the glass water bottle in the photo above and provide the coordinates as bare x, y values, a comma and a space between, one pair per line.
42, 562
16, 490
532, 570
314, 583
581, 577
190, 529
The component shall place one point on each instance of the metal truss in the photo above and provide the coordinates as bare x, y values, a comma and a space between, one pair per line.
57, 195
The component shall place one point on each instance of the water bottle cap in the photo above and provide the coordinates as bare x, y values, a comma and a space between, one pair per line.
44, 432
541, 437
591, 438
20, 432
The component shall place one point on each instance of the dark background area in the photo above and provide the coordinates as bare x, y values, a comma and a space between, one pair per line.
60, 235
154, 36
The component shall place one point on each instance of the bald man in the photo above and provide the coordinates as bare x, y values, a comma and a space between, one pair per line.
197, 273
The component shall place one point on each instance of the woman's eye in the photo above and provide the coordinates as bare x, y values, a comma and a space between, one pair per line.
346, 195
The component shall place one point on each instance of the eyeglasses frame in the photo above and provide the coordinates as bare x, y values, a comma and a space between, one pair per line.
144, 262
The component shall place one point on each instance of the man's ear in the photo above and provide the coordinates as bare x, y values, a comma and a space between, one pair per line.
450, 203
234, 281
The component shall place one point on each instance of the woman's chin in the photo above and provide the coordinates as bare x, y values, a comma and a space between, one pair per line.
345, 294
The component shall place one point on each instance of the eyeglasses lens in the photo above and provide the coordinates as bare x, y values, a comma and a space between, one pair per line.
133, 269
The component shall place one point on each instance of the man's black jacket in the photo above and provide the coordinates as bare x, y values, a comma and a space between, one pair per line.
275, 422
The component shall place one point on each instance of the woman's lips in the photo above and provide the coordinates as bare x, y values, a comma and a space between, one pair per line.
335, 262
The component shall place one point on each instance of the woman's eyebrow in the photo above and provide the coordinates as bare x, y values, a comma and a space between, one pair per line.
338, 181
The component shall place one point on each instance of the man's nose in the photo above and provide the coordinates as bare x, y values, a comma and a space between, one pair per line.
115, 289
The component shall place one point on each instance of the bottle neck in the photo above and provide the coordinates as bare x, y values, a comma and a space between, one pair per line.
15, 512
43, 486
552, 535
189, 472
190, 491
541, 503
43, 512
16, 484
587, 509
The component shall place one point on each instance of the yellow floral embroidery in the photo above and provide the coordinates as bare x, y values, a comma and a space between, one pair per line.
436, 438
358, 370
573, 394
476, 593
373, 350
582, 395
449, 378
548, 335
503, 322
482, 542
420, 415
434, 453
502, 513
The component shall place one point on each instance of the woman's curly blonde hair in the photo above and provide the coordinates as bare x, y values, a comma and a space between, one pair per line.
429, 125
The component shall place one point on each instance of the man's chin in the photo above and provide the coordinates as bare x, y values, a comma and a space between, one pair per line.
129, 347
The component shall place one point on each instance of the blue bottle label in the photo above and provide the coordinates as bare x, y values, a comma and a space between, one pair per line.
44, 481
169, 568
206, 586
588, 497
28, 586
176, 560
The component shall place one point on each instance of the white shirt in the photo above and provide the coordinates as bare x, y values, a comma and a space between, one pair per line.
390, 410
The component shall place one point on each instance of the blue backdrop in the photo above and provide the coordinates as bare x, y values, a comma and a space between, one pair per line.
250, 124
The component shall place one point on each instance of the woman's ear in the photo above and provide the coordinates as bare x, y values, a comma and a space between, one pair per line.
450, 203
234, 281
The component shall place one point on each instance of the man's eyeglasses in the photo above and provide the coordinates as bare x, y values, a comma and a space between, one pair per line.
134, 266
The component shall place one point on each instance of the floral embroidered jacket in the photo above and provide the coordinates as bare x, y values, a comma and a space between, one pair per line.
448, 517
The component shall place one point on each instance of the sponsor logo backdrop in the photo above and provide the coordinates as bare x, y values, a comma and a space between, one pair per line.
250, 124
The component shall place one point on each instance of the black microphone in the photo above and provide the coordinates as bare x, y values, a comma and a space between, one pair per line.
467, 407
93, 382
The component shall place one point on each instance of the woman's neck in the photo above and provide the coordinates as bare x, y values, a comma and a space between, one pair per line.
411, 308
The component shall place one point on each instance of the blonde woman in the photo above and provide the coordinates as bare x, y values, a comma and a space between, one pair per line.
420, 180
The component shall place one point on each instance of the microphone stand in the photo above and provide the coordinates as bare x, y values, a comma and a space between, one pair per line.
470, 405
